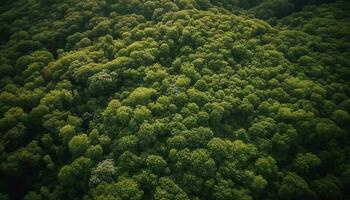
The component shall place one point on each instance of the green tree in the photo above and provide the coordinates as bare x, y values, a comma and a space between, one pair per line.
124, 189
168, 189
156, 163
103, 82
75, 175
104, 172
140, 96
67, 132
304, 163
79, 144
293, 186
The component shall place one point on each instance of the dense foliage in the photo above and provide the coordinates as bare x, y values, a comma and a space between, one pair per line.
174, 99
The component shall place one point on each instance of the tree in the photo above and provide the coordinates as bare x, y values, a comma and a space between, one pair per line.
67, 132
140, 96
85, 42
147, 181
58, 99
95, 152
124, 114
168, 189
126, 143
197, 163
156, 163
12, 117
196, 96
198, 137
219, 150
15, 137
304, 163
28, 157
174, 99
110, 113
259, 183
79, 144
147, 134
341, 117
327, 188
225, 190
102, 28
37, 113
103, 82
75, 174
104, 172
129, 162
142, 113
203, 4
216, 113
94, 136
293, 187
124, 189
266, 166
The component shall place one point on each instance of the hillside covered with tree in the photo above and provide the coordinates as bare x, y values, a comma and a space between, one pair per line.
175, 99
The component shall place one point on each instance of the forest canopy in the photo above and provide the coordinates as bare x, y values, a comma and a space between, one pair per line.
175, 99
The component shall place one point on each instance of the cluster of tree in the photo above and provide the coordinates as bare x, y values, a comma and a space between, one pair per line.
183, 99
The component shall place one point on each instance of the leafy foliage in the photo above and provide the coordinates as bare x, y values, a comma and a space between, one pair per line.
174, 99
